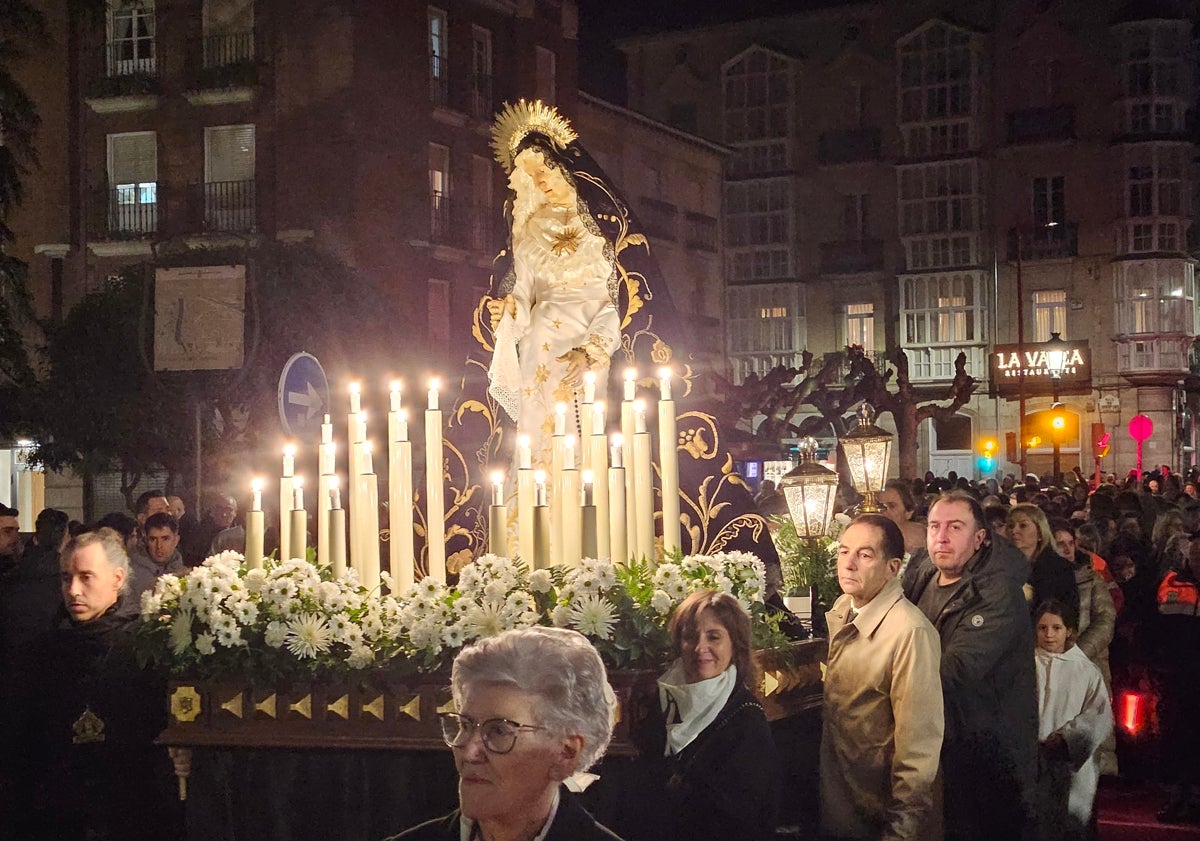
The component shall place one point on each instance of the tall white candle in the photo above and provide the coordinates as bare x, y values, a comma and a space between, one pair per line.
668, 462
337, 530
589, 386
643, 485
664, 383
355, 398
498, 518
435, 504
587, 419
630, 384
560, 418
525, 501
540, 556
255, 527
569, 551
394, 396
400, 501
627, 431
557, 465
368, 523
326, 468
298, 539
587, 516
356, 433
285, 502
619, 545
599, 447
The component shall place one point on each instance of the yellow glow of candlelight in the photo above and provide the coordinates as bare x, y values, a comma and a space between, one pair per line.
630, 374
396, 385
256, 485
289, 449
297, 481
355, 388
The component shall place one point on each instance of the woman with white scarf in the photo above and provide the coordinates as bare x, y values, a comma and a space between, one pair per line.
1074, 717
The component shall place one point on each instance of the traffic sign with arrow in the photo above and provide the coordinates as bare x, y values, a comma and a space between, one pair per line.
303, 394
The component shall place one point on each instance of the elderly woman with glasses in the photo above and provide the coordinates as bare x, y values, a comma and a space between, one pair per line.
534, 709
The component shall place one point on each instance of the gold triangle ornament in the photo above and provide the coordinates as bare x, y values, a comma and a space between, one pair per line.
413, 708
340, 707
88, 728
234, 705
374, 709
266, 706
516, 122
448, 707
303, 706
770, 683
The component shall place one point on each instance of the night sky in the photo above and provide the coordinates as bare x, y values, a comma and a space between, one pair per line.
601, 67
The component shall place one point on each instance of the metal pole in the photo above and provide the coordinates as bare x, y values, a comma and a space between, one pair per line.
1057, 431
199, 460
1021, 354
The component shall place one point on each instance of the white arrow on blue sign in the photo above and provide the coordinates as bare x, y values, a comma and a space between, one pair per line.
303, 394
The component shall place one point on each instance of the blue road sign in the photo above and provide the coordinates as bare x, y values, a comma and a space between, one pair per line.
303, 394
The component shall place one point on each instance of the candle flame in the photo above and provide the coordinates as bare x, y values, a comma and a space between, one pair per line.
560, 408
589, 477
524, 440
367, 447
402, 415
333, 481
664, 373
434, 384
539, 477
355, 387
618, 439
569, 441
256, 485
297, 481
598, 406
639, 405
289, 449
497, 477
589, 377
396, 385
630, 374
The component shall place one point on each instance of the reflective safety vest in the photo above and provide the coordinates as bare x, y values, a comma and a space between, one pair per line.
1178, 596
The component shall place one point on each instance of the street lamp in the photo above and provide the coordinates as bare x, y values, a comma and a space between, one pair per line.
867, 449
1057, 353
809, 489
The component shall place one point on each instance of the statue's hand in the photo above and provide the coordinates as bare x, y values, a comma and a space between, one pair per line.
577, 363
497, 307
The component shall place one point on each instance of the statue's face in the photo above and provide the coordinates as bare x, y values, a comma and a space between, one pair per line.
545, 178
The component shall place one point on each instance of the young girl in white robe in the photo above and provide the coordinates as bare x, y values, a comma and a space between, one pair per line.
1074, 717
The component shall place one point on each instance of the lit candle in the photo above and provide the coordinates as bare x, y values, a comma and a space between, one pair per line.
256, 527
599, 465
297, 493
643, 486
367, 520
598, 417
498, 517
394, 400
587, 418
289, 460
664, 383
525, 501
540, 556
560, 418
558, 463
589, 386
618, 450
588, 521
668, 462
355, 398
401, 554
368, 462
337, 529
630, 383
299, 522
617, 527
326, 467
572, 529
435, 504
628, 429
524, 453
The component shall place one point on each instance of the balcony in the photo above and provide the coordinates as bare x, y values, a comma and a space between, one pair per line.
439, 83
466, 226
229, 206
878, 359
224, 61
480, 103
129, 212
700, 232
1040, 125
936, 363
849, 146
1055, 242
129, 71
658, 218
1154, 360
852, 256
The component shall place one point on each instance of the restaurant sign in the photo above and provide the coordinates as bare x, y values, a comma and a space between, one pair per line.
1008, 363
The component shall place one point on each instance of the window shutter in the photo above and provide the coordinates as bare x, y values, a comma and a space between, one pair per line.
133, 158
229, 153
228, 17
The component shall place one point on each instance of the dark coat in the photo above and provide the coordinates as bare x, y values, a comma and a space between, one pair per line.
724, 785
30, 603
77, 783
989, 755
1052, 577
571, 823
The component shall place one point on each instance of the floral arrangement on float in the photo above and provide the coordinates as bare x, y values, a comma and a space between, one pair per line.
809, 565
293, 619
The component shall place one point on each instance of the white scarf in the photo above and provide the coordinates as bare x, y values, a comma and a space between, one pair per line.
696, 704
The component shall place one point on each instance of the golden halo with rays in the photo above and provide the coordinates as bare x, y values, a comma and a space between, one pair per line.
516, 122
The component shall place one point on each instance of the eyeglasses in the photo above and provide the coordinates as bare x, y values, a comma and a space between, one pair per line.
498, 734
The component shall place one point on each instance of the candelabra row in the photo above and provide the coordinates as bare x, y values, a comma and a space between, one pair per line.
596, 501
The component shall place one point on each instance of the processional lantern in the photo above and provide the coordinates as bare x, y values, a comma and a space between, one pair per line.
809, 489
867, 449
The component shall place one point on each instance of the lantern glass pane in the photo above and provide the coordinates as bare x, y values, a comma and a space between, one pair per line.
810, 504
868, 459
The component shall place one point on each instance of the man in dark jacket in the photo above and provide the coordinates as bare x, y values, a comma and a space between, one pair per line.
968, 590
88, 715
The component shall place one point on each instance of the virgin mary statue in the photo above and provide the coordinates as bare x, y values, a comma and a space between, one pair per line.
576, 291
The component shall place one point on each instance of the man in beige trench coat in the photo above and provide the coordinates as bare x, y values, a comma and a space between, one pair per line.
882, 732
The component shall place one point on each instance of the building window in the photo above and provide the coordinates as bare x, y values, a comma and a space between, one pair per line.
1156, 296
1049, 314
941, 309
229, 189
860, 326
131, 48
481, 73
757, 229
438, 67
482, 217
1157, 185
854, 218
133, 182
938, 75
1155, 66
546, 83
938, 214
1049, 201
757, 97
766, 326
228, 32
439, 312
439, 192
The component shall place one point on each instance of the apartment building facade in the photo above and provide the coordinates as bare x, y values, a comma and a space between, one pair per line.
972, 182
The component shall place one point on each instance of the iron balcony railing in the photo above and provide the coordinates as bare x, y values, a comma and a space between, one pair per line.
480, 101
125, 68
229, 206
227, 49
468, 226
1049, 242
128, 211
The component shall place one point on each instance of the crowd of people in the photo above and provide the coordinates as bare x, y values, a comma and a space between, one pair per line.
973, 658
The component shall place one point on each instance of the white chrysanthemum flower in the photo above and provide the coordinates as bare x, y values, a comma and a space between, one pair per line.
452, 636
586, 582
254, 580
721, 582
661, 602
168, 585
181, 632
677, 589
230, 637
275, 634
222, 623
518, 602
360, 657
246, 612
540, 581
151, 604
426, 636
495, 591
593, 616
227, 560
204, 644
431, 588
486, 620
666, 574
560, 617
307, 636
